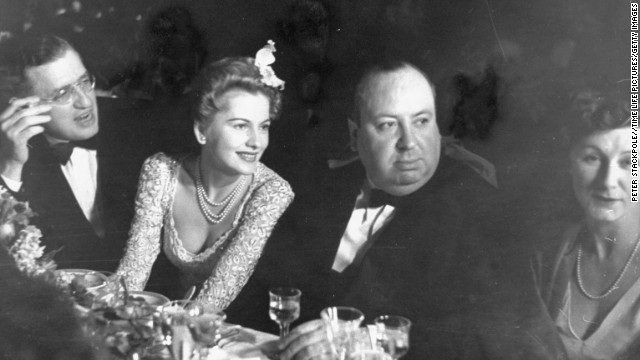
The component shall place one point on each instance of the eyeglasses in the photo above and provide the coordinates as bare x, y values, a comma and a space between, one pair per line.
64, 95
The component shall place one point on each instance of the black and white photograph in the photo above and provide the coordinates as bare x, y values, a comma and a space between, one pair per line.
319, 179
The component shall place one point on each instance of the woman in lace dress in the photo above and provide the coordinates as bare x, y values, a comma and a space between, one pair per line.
212, 213
589, 280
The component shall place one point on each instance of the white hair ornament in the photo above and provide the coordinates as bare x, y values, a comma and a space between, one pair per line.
264, 59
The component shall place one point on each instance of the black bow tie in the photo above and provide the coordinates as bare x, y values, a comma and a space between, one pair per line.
379, 198
62, 151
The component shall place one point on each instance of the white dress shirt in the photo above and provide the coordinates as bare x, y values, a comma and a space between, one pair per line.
81, 172
363, 227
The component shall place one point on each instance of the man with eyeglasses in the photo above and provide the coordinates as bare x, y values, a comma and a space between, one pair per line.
80, 184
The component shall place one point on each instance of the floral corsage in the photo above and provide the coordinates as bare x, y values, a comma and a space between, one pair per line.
22, 240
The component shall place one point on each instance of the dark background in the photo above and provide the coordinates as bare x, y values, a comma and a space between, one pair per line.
531, 54
504, 70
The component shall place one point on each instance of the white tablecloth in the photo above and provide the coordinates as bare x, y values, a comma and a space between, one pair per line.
249, 344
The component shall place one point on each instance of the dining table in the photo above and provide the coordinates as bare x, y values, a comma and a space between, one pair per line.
245, 344
248, 344
129, 325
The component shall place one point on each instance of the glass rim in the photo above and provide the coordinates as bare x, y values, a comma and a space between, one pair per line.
326, 313
180, 301
185, 305
285, 291
399, 321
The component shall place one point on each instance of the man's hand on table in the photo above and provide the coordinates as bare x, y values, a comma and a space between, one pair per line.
307, 341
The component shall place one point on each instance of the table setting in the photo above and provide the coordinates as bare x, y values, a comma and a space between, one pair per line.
147, 325
137, 325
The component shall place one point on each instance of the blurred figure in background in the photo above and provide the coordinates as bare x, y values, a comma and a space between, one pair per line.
306, 67
174, 53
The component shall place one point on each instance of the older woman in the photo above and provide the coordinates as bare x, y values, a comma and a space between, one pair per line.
212, 212
590, 283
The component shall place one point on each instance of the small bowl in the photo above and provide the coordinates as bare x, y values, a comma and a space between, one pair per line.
151, 298
93, 280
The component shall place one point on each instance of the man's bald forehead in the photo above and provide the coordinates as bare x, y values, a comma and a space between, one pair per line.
372, 78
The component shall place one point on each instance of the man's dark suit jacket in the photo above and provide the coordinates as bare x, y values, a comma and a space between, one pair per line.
438, 262
121, 150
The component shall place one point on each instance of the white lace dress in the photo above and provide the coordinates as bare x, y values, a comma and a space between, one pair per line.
224, 267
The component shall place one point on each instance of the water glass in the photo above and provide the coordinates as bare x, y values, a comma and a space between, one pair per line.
343, 329
370, 354
175, 319
392, 334
205, 329
284, 307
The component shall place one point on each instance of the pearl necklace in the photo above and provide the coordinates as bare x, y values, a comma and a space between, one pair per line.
227, 202
615, 283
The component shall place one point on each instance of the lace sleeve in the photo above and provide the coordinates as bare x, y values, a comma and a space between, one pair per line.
241, 256
143, 246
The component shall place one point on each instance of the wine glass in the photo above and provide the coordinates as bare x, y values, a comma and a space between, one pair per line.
284, 307
343, 328
205, 329
392, 334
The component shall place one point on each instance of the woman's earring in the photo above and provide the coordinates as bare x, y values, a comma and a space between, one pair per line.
202, 139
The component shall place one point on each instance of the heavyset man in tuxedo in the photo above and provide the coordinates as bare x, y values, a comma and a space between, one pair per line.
80, 181
405, 231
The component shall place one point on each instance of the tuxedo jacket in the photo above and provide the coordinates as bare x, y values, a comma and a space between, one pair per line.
120, 152
437, 262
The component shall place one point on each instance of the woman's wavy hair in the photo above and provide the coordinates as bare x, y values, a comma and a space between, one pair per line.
592, 111
222, 76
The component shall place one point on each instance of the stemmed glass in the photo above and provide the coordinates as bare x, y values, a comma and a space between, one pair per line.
392, 334
284, 307
343, 328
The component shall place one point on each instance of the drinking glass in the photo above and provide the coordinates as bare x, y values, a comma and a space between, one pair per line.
392, 334
127, 328
175, 319
205, 329
343, 329
284, 307
370, 354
